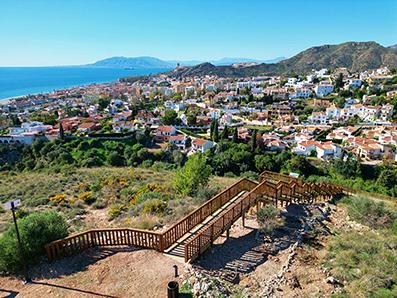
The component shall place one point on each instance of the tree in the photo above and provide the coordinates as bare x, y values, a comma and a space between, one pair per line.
103, 102
61, 131
215, 134
299, 164
225, 133
235, 135
188, 142
253, 140
192, 176
115, 159
191, 119
212, 126
266, 162
339, 81
170, 118
347, 166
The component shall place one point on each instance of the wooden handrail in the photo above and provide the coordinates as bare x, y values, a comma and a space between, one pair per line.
142, 238
274, 187
199, 243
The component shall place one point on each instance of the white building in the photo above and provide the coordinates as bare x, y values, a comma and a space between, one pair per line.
323, 89
300, 93
354, 83
201, 145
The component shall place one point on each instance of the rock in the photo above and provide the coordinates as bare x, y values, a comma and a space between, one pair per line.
204, 287
332, 280
196, 288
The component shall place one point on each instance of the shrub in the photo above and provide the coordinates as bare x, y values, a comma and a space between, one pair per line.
99, 204
365, 262
267, 218
36, 230
146, 222
115, 159
369, 212
250, 175
154, 206
87, 197
147, 163
59, 199
115, 211
205, 193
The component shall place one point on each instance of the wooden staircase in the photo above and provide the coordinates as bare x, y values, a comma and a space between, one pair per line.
195, 233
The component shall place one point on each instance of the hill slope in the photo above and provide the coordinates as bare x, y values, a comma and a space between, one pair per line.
356, 56
135, 62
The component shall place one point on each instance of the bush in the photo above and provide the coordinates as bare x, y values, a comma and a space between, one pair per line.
267, 218
205, 193
87, 197
36, 230
369, 212
250, 175
115, 211
155, 206
365, 262
99, 204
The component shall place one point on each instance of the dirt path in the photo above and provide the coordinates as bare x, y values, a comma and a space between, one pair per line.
117, 273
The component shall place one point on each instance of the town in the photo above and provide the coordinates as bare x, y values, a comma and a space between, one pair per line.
321, 115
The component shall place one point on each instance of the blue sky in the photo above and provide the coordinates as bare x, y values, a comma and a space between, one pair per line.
67, 32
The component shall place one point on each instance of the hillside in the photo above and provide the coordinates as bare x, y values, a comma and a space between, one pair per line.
152, 62
134, 62
356, 56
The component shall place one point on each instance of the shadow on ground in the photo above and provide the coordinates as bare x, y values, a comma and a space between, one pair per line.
8, 293
78, 291
245, 253
73, 264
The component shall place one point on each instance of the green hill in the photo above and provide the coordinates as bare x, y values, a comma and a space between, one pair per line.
356, 56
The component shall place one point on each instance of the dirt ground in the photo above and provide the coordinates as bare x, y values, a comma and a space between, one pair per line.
247, 261
104, 273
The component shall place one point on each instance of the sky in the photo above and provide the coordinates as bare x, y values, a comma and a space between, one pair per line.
72, 32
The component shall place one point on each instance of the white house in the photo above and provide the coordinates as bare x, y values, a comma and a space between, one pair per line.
333, 112
178, 140
305, 147
164, 132
318, 117
323, 89
200, 145
327, 150
300, 93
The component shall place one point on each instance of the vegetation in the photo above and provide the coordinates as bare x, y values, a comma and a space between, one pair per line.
192, 176
105, 196
365, 261
268, 218
356, 56
36, 230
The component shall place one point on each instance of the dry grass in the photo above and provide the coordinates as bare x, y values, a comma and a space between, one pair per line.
108, 186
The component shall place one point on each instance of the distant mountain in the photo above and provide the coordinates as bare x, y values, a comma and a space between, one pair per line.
135, 62
394, 47
229, 61
356, 56
152, 62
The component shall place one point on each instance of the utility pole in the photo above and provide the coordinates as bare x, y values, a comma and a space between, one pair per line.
12, 205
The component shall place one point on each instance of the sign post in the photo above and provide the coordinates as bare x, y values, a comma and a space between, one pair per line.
12, 205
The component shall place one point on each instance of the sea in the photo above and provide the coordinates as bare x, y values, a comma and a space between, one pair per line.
19, 81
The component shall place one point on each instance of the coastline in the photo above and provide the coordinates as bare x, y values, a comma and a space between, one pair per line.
43, 80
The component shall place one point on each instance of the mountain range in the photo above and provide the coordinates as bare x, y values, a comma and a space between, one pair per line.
355, 56
152, 62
